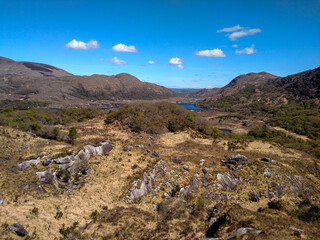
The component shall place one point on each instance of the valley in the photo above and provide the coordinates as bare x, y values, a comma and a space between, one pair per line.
157, 164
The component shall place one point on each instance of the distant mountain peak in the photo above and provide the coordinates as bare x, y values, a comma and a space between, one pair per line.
9, 67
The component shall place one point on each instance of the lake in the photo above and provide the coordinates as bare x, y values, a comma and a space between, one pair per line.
191, 106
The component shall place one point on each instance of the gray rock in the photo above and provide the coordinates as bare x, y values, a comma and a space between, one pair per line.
47, 162
278, 189
267, 172
295, 229
195, 183
204, 178
185, 191
202, 162
38, 187
237, 159
147, 184
242, 231
212, 221
254, 197
140, 146
1, 202
228, 181
46, 177
185, 167
216, 197
106, 147
127, 148
176, 160
18, 229
155, 154
63, 160
26, 164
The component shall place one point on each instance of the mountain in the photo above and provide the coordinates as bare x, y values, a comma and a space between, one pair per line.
21, 82
268, 89
10, 67
235, 85
302, 85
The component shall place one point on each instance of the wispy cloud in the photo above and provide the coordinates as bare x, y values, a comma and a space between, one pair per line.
247, 50
79, 45
235, 35
180, 66
235, 45
237, 32
152, 62
124, 48
211, 53
231, 29
115, 60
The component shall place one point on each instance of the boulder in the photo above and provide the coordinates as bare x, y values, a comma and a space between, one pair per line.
243, 231
18, 229
295, 229
185, 167
228, 181
140, 146
185, 191
237, 159
176, 160
46, 177
127, 148
195, 183
26, 164
106, 147
47, 162
155, 154
254, 197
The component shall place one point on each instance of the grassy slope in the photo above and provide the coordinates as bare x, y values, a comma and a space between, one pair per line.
95, 206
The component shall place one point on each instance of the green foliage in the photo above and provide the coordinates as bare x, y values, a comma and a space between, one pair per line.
42, 121
300, 117
159, 117
35, 211
265, 133
69, 231
309, 212
72, 134
21, 105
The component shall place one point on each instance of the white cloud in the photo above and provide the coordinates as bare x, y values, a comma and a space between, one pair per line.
247, 50
235, 45
152, 62
79, 45
235, 35
231, 29
211, 53
124, 48
175, 61
115, 60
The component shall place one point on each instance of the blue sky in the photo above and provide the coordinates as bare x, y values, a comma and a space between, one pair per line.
281, 37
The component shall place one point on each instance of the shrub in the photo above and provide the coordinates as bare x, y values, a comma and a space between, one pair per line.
72, 134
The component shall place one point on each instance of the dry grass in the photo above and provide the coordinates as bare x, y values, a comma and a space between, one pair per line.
95, 206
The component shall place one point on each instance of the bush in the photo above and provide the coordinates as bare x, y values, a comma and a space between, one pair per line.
72, 134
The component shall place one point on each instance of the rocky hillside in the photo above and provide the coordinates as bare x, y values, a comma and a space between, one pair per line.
63, 88
116, 184
10, 67
267, 88
236, 84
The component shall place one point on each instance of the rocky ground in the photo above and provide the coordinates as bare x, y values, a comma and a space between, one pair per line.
115, 184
